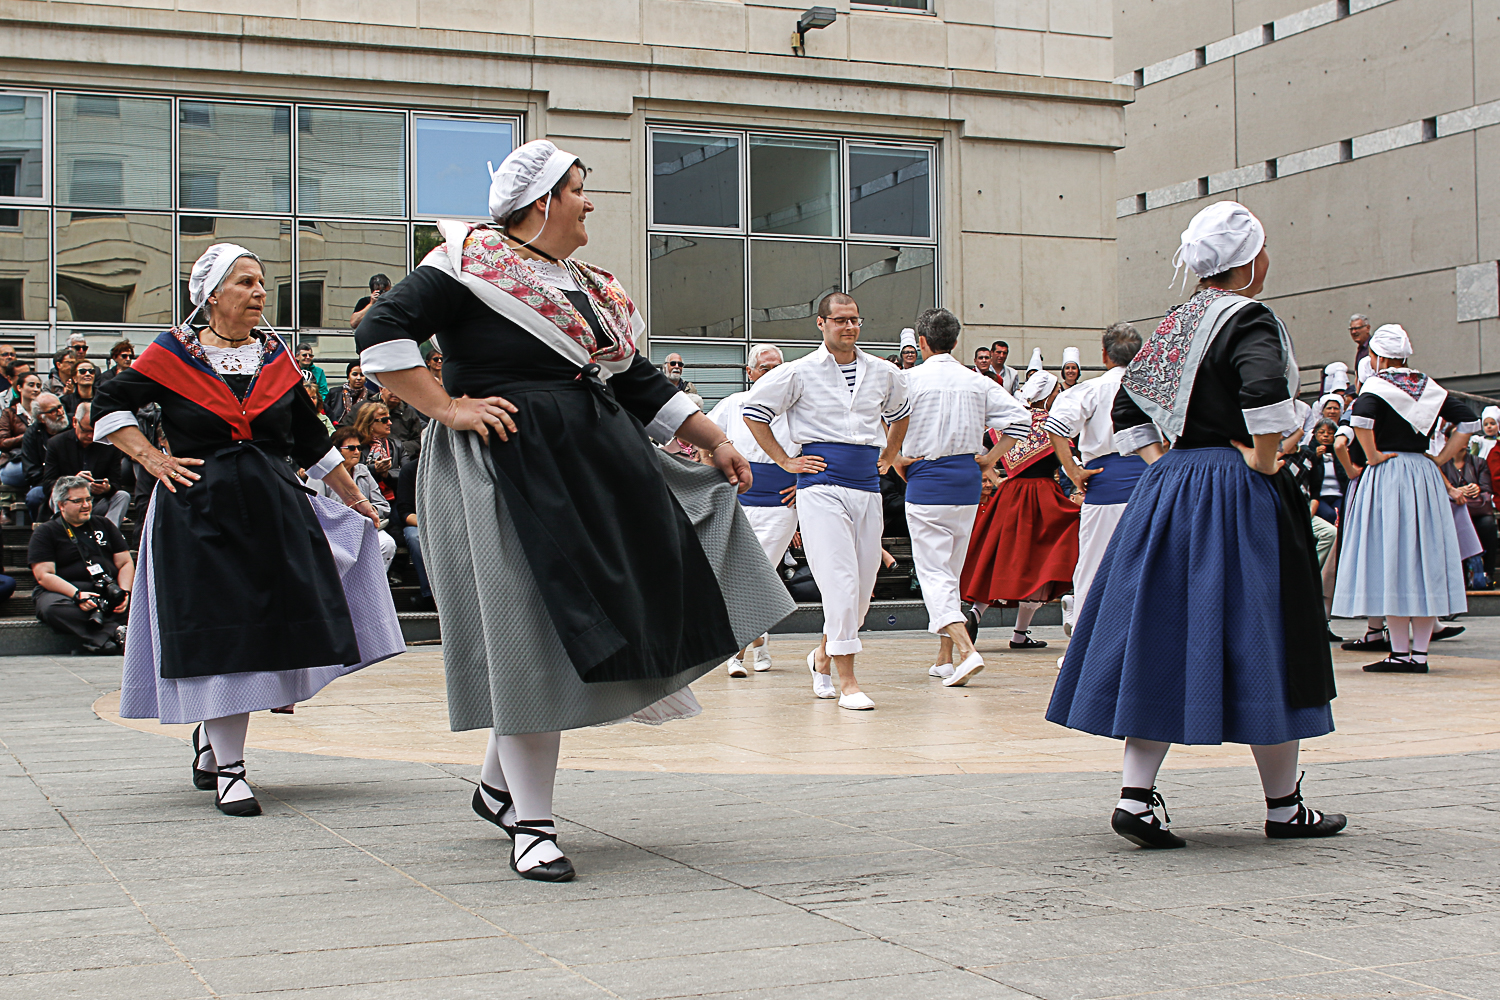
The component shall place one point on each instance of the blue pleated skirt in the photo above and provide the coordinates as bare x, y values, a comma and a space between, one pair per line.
1180, 639
1401, 553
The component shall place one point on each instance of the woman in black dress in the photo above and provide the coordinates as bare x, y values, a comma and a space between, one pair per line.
250, 594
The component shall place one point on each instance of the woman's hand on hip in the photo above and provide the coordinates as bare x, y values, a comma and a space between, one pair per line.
1252, 460
481, 416
172, 471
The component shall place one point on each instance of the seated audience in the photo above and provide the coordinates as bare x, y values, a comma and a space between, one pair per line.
312, 393
76, 453
1470, 480
1327, 481
343, 404
406, 517
83, 569
380, 454
14, 420
60, 382
346, 441
121, 357
48, 418
407, 424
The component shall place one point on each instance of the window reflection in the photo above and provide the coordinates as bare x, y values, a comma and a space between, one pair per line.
114, 151
338, 259
889, 192
452, 180
20, 146
697, 287
269, 239
715, 370
787, 280
234, 157
114, 268
23, 264
794, 185
351, 162
893, 285
695, 180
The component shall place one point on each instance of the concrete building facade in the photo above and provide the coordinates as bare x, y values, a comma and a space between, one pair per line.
1362, 132
958, 152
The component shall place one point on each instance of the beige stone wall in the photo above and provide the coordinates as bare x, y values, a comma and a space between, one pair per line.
1377, 231
1015, 93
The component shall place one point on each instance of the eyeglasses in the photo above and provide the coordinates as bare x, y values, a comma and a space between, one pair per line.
381, 420
125, 357
51, 409
853, 321
674, 364
80, 501
348, 447
87, 371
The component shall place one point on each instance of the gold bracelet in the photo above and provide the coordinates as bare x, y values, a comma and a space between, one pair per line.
719, 445
356, 503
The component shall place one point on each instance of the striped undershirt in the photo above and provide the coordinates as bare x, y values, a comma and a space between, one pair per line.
849, 371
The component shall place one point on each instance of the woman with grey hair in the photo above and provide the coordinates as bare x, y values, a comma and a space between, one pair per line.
582, 576
251, 594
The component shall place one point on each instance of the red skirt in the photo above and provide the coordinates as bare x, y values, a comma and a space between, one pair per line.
1024, 546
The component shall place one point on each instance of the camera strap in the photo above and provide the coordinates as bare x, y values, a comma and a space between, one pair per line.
92, 556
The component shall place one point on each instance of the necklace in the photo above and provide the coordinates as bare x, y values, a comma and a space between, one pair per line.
227, 340
520, 247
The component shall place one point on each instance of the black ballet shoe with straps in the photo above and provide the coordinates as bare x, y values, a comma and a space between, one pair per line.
1448, 632
1029, 643
1144, 829
483, 810
1306, 823
203, 779
1396, 663
249, 806
1373, 642
556, 870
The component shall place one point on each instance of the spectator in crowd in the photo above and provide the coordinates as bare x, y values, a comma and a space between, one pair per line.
13, 372
1469, 483
74, 453
407, 425
14, 420
60, 382
1327, 479
7, 587
433, 359
343, 404
982, 363
380, 454
406, 518
121, 357
1001, 372
79, 345
312, 393
305, 362
1071, 369
85, 381
349, 447
76, 559
672, 368
1489, 432
379, 285
48, 418
1359, 332
909, 357
7, 358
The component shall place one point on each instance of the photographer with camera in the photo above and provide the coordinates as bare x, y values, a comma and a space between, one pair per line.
83, 569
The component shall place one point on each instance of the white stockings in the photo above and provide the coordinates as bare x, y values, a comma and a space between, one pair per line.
227, 737
526, 766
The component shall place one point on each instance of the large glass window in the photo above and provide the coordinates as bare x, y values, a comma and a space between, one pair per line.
750, 230
695, 180
114, 268
714, 370
235, 157
268, 239
24, 255
351, 162
453, 181
338, 259
22, 122
114, 151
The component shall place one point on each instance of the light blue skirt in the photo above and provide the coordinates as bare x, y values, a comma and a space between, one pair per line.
1400, 551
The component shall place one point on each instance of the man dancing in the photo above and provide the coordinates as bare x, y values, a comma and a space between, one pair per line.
848, 412
1107, 477
950, 408
768, 502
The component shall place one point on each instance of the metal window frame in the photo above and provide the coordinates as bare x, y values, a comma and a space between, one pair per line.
517, 122
80, 206
47, 101
932, 200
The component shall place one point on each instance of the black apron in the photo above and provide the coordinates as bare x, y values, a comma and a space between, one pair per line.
1304, 629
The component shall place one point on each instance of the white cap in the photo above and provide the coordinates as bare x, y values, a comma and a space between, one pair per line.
528, 173
908, 338
1390, 341
1071, 354
1035, 364
208, 273
1038, 386
1335, 376
1365, 369
1222, 236
1490, 412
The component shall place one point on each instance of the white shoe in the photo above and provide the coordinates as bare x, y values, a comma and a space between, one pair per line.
762, 658
972, 664
858, 701
942, 671
822, 683
736, 667
1067, 608
1060, 659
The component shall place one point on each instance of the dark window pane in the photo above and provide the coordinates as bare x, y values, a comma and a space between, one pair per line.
351, 162
311, 303
23, 262
98, 182
20, 146
794, 186
241, 146
114, 268
424, 239
695, 180
787, 280
452, 179
114, 151
889, 192
340, 258
93, 105
269, 239
892, 285
697, 287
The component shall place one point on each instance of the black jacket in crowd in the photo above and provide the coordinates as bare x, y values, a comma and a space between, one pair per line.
66, 457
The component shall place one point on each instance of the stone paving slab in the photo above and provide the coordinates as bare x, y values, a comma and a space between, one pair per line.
371, 878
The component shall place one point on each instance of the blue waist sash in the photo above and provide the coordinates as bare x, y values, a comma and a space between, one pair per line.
767, 481
1116, 481
954, 479
851, 465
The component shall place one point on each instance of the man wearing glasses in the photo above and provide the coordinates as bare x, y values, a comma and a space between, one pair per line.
122, 356
672, 368
848, 411
768, 501
7, 373
75, 454
49, 418
75, 557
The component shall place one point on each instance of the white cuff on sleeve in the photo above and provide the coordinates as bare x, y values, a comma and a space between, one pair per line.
1467, 427
1368, 423
663, 426
326, 464
1056, 425
118, 420
1133, 439
391, 356
1278, 418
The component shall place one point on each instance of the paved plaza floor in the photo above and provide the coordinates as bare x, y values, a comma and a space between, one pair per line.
950, 844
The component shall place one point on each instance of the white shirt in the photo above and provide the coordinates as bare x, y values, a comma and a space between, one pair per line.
728, 415
811, 391
1086, 412
951, 406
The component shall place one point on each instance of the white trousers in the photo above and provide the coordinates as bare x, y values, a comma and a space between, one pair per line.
841, 536
939, 542
387, 547
1096, 523
774, 528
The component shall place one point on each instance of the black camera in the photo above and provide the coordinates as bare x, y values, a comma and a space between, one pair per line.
111, 596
